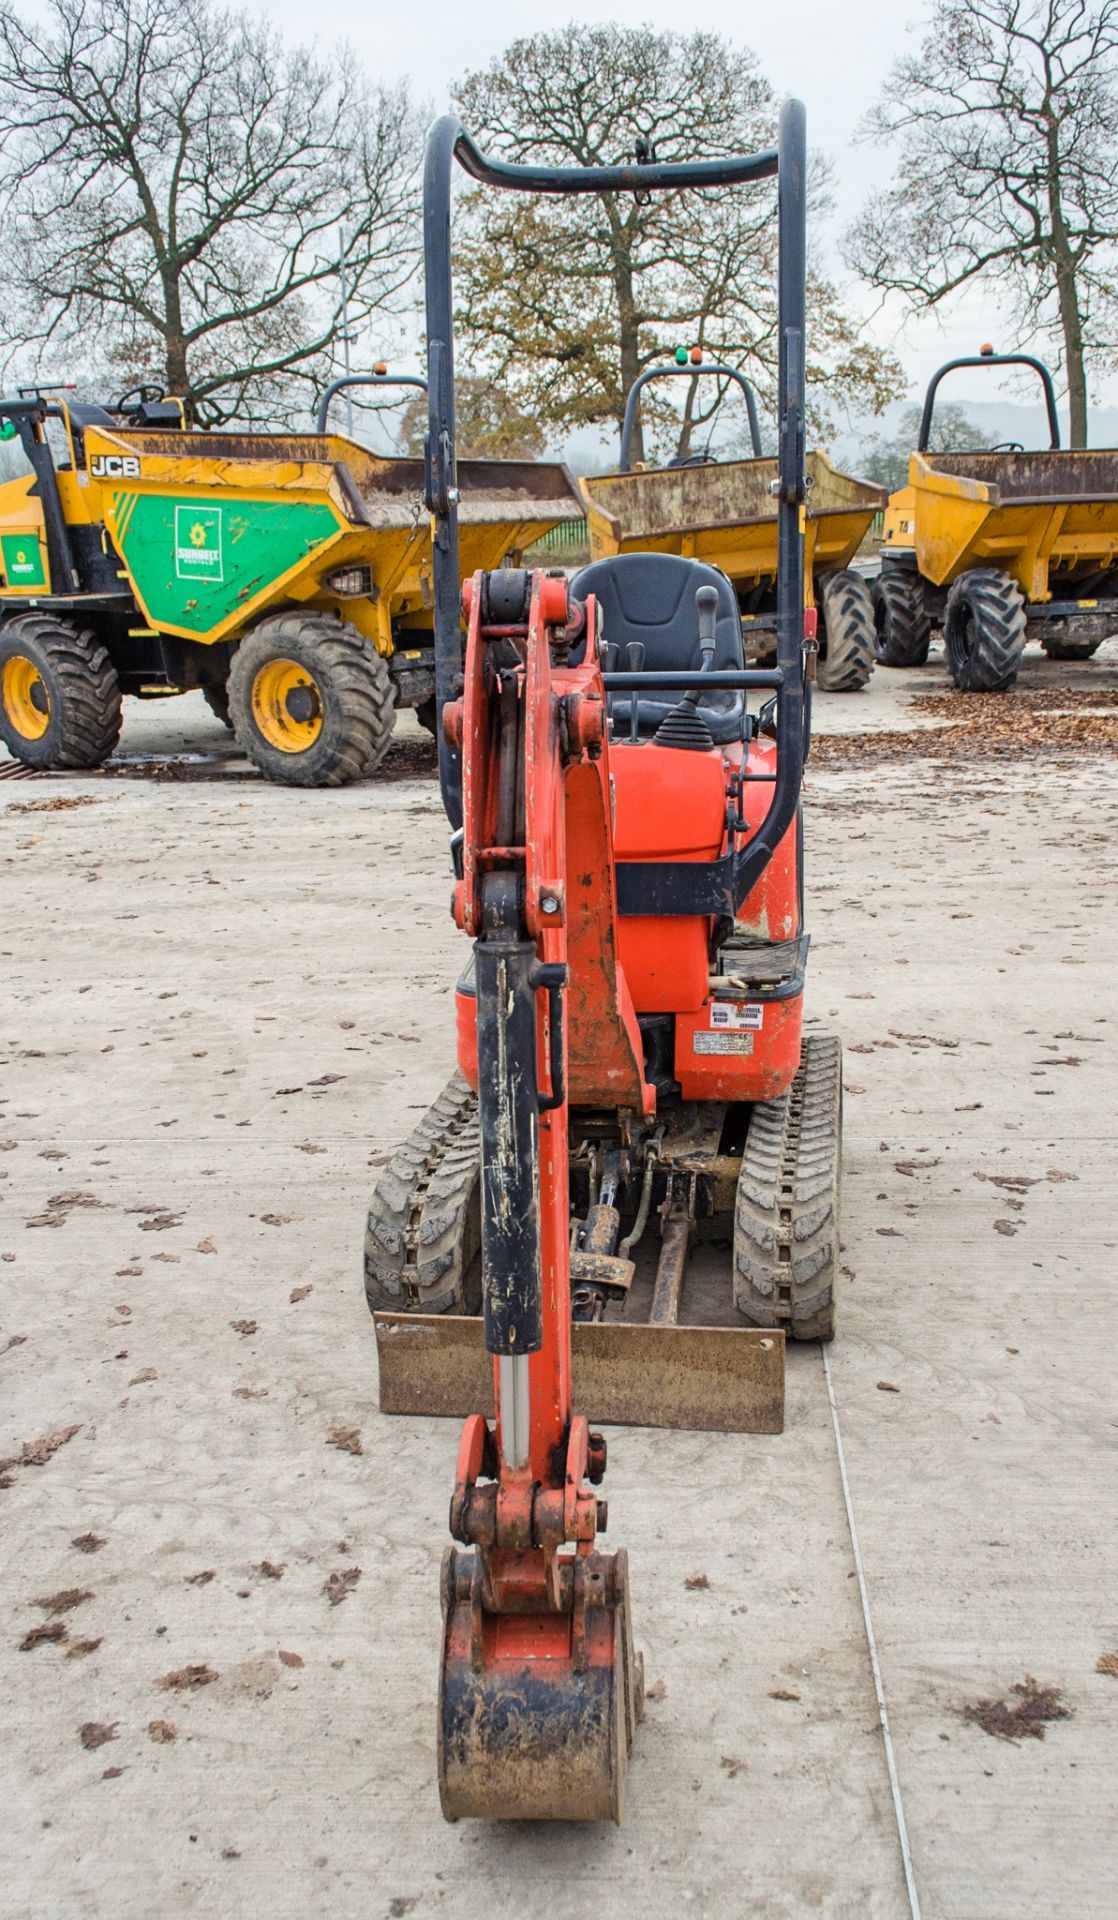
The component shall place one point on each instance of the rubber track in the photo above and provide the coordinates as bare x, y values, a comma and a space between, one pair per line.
849, 632
89, 710
902, 629
362, 686
424, 1226
786, 1222
997, 610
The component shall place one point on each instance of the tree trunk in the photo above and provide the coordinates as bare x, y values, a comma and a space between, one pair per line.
1067, 293
174, 343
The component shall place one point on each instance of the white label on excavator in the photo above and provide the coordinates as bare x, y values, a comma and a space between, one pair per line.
722, 1042
739, 1015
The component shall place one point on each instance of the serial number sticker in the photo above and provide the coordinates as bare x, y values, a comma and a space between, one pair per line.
738, 1015
723, 1042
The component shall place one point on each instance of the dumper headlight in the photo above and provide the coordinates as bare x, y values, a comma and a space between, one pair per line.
350, 583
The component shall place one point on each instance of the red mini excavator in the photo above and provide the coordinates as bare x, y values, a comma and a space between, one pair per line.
628, 866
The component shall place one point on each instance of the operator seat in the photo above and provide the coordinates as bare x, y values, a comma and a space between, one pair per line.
650, 597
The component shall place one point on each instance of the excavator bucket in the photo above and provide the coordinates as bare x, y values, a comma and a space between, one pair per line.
537, 1712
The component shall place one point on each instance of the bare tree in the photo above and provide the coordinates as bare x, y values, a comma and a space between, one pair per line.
488, 424
174, 183
565, 301
1007, 121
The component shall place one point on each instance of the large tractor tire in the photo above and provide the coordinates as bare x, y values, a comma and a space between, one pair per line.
217, 700
311, 701
846, 641
984, 630
786, 1220
423, 1239
59, 694
903, 630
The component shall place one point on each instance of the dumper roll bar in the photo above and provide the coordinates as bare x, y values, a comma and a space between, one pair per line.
992, 360
28, 415
363, 380
718, 887
667, 373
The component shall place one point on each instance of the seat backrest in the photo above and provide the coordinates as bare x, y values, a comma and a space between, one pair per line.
651, 597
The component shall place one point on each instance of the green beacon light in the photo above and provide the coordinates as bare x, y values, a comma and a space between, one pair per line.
681, 356
8, 430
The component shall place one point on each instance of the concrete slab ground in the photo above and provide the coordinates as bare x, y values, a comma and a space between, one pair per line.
224, 1004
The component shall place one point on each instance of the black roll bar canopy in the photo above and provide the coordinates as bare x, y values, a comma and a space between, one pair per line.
363, 380
666, 373
719, 886
992, 360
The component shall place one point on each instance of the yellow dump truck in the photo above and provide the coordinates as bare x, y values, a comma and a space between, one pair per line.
997, 548
286, 575
724, 512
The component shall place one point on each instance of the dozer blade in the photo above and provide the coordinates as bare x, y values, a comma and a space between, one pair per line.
701, 1379
537, 1711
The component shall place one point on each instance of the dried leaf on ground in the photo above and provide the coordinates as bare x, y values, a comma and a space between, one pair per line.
36, 1453
1107, 1663
886, 1386
243, 1326
271, 1569
782, 1693
346, 1439
1024, 1718
49, 1634
77, 1649
199, 1579
88, 1542
697, 1582
162, 1731
184, 1679
340, 1584
95, 1733
291, 1659
65, 1600
161, 1222
299, 1293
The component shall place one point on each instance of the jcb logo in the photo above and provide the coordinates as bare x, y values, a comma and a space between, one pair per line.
114, 466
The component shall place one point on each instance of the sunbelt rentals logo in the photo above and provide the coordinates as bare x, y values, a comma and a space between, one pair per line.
198, 543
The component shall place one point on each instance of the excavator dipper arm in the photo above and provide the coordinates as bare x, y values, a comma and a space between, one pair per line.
540, 1687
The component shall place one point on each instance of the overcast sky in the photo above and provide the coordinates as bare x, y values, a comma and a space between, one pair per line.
834, 54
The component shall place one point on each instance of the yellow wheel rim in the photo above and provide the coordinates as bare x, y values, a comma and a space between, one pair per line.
287, 706
25, 697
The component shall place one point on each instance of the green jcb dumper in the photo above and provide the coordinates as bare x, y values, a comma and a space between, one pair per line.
286, 575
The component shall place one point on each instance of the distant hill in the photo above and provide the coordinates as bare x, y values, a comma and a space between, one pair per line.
1000, 419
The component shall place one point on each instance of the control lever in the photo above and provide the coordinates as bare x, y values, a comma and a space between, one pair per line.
609, 653
706, 601
634, 654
